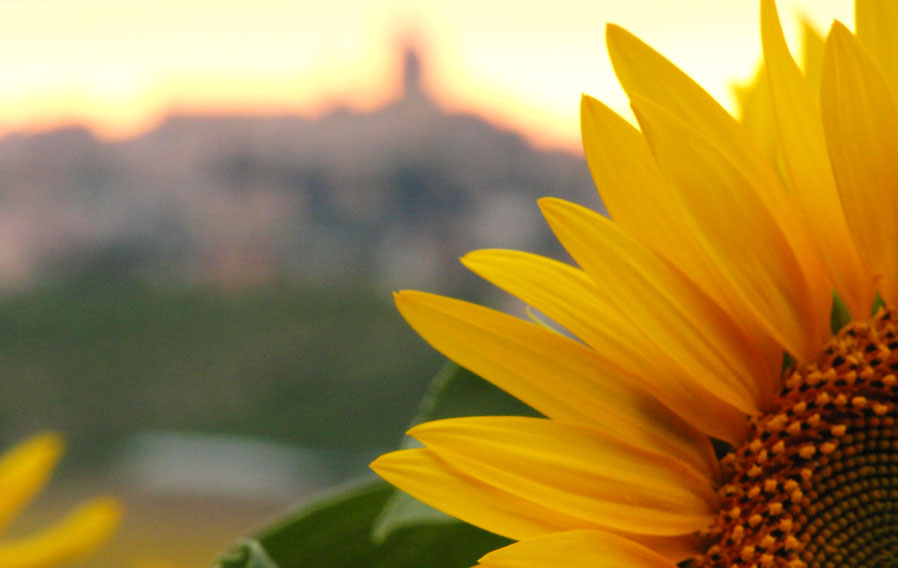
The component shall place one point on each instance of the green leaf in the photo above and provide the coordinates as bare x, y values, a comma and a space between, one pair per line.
839, 316
455, 391
335, 532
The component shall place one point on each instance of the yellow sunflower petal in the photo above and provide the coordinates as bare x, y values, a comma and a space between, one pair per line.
860, 121
876, 22
812, 57
808, 170
576, 470
636, 193
556, 375
756, 113
642, 70
579, 549
650, 78
707, 361
24, 470
624, 171
767, 270
422, 474
76, 537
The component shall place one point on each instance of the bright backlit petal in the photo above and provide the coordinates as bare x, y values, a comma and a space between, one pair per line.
579, 549
556, 375
647, 75
624, 171
74, 538
756, 113
714, 359
876, 22
576, 470
808, 170
24, 470
860, 121
812, 57
640, 201
422, 474
759, 262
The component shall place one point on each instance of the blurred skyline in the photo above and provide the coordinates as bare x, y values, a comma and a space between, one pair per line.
120, 68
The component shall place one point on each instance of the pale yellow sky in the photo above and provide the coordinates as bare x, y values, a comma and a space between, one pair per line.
119, 65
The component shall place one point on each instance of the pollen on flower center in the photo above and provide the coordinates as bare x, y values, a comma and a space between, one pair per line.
816, 483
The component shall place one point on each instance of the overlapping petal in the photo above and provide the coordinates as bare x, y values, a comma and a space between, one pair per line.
703, 356
803, 147
427, 477
860, 120
876, 22
576, 470
554, 374
579, 549
672, 105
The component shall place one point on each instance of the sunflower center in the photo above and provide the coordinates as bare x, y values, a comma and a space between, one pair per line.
816, 483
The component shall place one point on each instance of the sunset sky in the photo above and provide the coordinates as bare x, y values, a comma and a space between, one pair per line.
119, 66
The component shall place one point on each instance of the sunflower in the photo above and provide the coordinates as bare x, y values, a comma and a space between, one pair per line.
727, 305
23, 472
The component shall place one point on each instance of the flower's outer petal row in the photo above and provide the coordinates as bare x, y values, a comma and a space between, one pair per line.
803, 147
578, 549
652, 80
707, 356
576, 470
74, 538
860, 122
422, 474
24, 470
742, 238
876, 22
554, 374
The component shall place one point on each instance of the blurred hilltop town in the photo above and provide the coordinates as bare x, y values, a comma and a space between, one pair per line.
393, 196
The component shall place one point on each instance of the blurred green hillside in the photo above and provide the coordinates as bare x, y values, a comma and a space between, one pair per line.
331, 367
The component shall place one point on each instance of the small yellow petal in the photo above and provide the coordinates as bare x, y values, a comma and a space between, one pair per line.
808, 170
74, 538
24, 470
577, 471
556, 375
578, 549
860, 121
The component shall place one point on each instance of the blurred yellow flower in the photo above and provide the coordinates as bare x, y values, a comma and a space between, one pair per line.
24, 470
727, 245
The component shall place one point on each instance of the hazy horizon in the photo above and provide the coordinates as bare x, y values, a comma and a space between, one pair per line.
118, 69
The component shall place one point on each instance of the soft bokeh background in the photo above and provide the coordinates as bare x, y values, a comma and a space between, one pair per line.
205, 205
